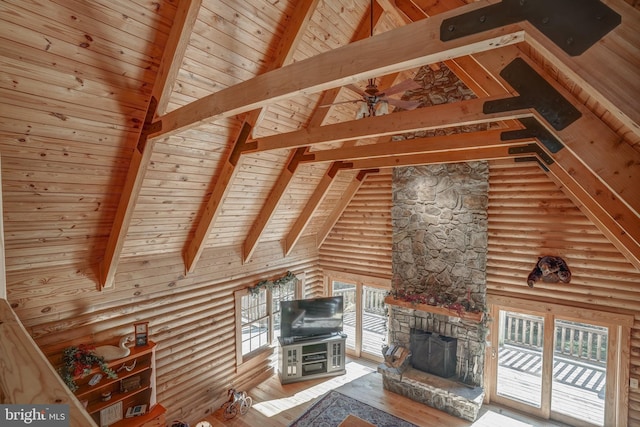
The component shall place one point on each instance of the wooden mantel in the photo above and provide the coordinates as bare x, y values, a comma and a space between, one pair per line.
391, 300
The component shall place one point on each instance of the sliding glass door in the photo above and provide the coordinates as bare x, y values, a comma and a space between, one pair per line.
348, 291
364, 317
578, 387
520, 356
555, 366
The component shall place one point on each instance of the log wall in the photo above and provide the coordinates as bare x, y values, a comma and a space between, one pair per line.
360, 242
529, 216
192, 318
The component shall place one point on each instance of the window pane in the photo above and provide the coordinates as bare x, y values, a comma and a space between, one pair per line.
281, 293
254, 322
348, 292
520, 357
579, 370
374, 320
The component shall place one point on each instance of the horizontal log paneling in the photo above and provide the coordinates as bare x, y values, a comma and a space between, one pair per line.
192, 318
360, 242
75, 83
519, 233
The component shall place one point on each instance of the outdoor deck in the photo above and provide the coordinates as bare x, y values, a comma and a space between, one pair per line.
374, 331
579, 386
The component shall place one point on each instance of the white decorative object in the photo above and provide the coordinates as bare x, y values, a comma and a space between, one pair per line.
95, 379
111, 352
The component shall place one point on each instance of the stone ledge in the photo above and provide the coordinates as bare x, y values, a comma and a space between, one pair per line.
440, 393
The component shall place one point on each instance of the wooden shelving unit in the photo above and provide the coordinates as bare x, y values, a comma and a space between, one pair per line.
143, 391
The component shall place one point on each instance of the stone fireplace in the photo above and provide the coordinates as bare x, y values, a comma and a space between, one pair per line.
439, 220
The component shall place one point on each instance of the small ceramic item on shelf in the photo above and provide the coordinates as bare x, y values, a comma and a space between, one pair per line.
111, 352
95, 379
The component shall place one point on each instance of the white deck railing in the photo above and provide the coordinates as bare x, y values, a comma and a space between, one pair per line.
372, 299
572, 340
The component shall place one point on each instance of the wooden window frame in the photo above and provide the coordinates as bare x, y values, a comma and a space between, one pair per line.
271, 342
359, 280
619, 324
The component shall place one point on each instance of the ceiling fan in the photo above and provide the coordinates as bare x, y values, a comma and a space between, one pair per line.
376, 103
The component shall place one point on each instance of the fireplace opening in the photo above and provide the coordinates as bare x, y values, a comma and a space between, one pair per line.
433, 353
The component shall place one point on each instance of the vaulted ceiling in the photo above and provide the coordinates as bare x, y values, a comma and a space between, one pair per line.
134, 128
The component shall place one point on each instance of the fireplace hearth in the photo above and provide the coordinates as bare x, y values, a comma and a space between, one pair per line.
450, 381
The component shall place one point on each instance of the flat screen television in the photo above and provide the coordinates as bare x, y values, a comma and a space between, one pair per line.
314, 317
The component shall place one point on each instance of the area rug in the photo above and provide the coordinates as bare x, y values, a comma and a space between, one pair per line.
334, 407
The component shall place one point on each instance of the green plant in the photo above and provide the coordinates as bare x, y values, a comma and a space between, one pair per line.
270, 284
78, 362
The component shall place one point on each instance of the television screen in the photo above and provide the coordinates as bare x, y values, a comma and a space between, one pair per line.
311, 317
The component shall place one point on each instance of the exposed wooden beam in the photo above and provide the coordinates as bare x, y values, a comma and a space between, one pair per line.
438, 116
279, 188
463, 155
195, 247
573, 188
604, 72
459, 141
293, 35
312, 205
342, 204
392, 51
612, 166
607, 71
169, 66
271, 203
289, 42
466, 68
174, 50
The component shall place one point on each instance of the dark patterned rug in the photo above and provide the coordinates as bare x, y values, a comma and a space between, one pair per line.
334, 407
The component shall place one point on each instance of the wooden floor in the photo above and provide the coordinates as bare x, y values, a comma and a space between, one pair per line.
277, 405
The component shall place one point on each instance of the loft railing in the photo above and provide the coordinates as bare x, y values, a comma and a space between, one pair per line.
572, 340
27, 376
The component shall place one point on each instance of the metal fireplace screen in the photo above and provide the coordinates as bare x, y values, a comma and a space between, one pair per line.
432, 353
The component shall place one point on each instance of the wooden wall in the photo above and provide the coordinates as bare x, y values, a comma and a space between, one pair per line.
529, 216
191, 318
360, 242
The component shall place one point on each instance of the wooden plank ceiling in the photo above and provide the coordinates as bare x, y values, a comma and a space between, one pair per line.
135, 128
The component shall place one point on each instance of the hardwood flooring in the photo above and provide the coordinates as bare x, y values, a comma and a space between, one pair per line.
277, 405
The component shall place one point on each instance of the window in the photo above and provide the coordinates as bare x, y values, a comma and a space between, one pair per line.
258, 323
558, 362
365, 320
255, 322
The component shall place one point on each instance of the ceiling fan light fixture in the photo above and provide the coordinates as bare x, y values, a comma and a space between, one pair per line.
363, 110
382, 108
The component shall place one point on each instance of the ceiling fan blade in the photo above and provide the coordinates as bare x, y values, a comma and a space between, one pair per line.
405, 105
339, 103
356, 89
402, 87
